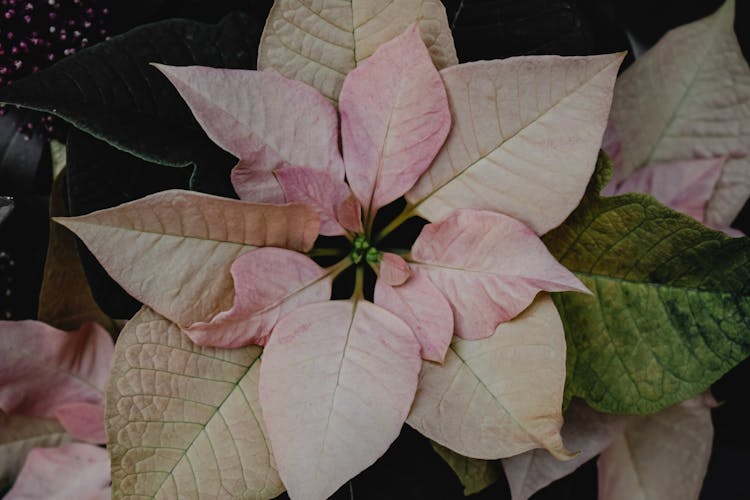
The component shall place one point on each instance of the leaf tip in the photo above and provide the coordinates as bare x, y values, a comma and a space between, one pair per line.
63, 221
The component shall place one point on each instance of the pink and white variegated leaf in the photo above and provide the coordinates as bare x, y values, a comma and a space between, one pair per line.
524, 141
268, 283
173, 250
394, 119
329, 196
336, 384
660, 457
423, 307
42, 368
586, 431
83, 421
683, 185
254, 115
688, 97
499, 396
75, 470
489, 266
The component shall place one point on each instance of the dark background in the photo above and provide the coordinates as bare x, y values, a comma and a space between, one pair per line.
482, 29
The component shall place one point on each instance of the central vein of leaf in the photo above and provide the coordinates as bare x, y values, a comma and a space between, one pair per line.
363, 250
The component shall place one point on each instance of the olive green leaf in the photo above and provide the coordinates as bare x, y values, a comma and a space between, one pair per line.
475, 474
670, 310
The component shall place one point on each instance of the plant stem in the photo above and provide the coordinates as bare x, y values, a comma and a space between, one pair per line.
407, 213
339, 267
359, 284
326, 252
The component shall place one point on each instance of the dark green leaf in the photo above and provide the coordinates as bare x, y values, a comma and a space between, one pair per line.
670, 310
111, 91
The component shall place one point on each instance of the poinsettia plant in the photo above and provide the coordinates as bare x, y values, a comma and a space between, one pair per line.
402, 222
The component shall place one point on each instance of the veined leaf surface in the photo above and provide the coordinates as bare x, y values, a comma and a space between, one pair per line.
498, 396
524, 140
320, 42
184, 420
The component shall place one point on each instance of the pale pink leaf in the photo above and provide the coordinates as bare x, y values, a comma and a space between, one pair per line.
319, 44
336, 384
42, 367
18, 435
525, 137
393, 269
683, 185
184, 421
83, 421
421, 305
585, 431
660, 457
689, 98
500, 396
394, 118
268, 283
73, 471
173, 250
265, 120
489, 266
325, 193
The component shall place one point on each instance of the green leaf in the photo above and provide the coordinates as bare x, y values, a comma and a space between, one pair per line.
670, 310
111, 92
184, 421
475, 474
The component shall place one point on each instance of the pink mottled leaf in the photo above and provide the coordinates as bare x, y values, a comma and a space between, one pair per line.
268, 283
336, 383
394, 118
393, 269
42, 367
421, 305
83, 421
683, 185
173, 250
586, 431
253, 115
660, 457
328, 195
489, 266
75, 471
